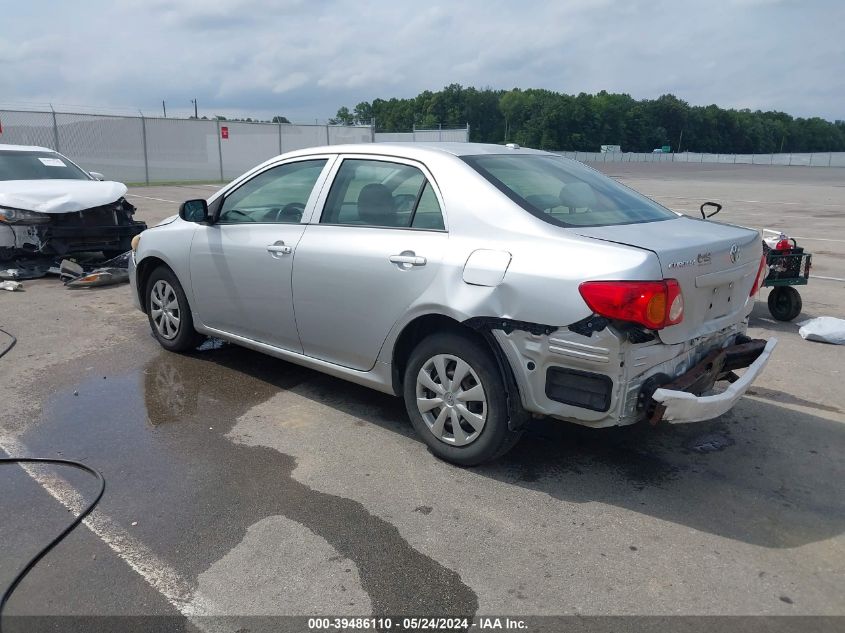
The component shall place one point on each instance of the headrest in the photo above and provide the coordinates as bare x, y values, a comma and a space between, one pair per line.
375, 205
577, 195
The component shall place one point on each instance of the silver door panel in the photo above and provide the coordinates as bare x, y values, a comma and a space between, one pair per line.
348, 292
240, 286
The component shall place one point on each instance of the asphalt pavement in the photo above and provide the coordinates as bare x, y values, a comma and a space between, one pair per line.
239, 484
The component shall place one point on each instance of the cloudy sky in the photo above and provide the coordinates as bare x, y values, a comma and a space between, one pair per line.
305, 58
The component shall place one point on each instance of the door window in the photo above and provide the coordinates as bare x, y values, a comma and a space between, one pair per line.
275, 196
381, 193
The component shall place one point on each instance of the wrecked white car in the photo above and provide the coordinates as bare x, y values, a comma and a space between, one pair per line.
51, 206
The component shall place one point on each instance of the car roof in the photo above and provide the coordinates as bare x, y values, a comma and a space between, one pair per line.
24, 148
417, 150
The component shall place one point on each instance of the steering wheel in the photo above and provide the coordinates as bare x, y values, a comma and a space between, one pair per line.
248, 217
291, 213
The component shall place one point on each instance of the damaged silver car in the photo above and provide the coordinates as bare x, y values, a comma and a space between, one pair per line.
51, 206
483, 284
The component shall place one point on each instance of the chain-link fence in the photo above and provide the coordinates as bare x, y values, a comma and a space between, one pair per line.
455, 135
153, 149
813, 159
150, 149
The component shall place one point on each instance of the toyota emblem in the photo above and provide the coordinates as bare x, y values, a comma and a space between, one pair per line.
734, 253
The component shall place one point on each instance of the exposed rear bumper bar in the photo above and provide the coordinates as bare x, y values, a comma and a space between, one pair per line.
678, 401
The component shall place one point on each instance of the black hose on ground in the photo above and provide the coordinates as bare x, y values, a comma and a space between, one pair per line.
43, 552
7, 593
10, 345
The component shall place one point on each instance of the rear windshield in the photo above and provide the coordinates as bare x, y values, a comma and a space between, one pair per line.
564, 192
38, 166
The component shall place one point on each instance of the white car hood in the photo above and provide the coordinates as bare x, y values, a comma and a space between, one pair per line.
58, 196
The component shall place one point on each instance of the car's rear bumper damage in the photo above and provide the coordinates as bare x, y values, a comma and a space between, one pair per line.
608, 378
681, 400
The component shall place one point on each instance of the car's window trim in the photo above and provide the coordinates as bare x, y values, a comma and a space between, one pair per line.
417, 203
384, 158
249, 176
539, 213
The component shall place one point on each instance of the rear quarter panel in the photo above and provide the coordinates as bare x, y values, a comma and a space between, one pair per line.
547, 264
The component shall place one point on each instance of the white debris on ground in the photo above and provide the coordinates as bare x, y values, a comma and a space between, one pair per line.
824, 329
11, 286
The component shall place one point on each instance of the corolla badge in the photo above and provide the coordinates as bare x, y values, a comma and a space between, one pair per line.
701, 259
734, 253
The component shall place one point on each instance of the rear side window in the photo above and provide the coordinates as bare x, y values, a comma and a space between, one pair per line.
384, 194
38, 166
428, 214
564, 192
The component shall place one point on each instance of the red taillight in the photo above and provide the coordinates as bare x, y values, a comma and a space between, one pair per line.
654, 304
762, 271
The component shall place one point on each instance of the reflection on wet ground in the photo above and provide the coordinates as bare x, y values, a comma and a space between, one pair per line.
159, 438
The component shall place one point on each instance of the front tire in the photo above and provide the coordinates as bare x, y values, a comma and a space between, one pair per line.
785, 303
169, 313
456, 399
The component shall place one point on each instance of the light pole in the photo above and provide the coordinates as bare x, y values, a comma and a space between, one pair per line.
194, 101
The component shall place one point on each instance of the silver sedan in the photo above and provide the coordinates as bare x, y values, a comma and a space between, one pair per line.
483, 284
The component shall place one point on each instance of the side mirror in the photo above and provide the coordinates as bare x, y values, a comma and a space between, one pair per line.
96, 175
194, 211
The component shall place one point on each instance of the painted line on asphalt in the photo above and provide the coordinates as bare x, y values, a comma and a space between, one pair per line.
797, 237
135, 195
826, 278
819, 239
753, 201
178, 591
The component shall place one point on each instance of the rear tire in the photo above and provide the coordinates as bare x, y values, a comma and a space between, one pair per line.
784, 303
169, 313
464, 422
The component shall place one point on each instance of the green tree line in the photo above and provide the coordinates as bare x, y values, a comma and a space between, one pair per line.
552, 120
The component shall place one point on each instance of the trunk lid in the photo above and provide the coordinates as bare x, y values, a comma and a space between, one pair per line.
714, 263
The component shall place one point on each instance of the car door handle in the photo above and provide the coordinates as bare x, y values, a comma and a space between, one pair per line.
279, 248
408, 260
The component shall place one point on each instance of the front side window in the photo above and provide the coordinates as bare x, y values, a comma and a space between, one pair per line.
564, 192
384, 194
38, 165
275, 196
